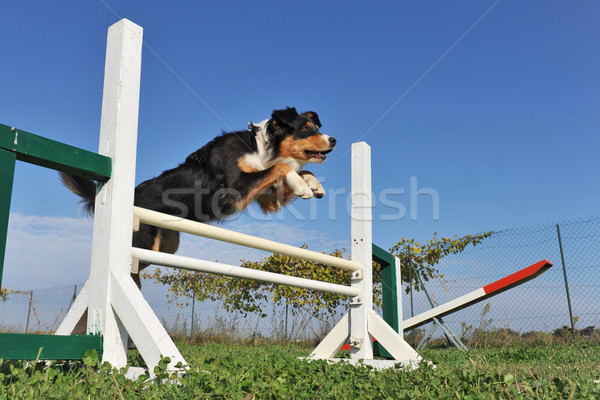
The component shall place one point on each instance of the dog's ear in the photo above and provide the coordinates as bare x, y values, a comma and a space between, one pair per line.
284, 117
314, 118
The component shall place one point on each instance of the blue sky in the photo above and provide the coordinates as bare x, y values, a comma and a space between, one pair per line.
491, 105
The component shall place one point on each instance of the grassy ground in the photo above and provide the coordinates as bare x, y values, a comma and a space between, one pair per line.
268, 371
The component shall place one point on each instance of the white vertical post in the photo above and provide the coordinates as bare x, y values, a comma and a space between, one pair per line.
361, 343
111, 244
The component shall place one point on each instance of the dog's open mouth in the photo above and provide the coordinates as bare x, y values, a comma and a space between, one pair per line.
316, 155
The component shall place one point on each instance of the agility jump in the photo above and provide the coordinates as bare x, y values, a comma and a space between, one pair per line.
114, 305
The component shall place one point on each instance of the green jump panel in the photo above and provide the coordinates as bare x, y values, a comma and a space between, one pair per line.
389, 295
7, 166
51, 154
18, 346
388, 282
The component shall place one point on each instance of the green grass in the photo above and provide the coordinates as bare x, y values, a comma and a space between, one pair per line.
268, 371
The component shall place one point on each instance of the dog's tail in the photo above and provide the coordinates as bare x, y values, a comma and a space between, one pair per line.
84, 188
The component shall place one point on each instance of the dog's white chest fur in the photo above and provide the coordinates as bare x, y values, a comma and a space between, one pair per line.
261, 160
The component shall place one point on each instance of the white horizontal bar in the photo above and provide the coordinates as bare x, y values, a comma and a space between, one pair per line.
214, 232
193, 264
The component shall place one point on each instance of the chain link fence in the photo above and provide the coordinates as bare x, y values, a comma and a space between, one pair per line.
37, 310
567, 295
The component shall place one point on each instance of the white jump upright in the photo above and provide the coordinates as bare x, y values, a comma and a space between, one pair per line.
361, 345
115, 306
361, 324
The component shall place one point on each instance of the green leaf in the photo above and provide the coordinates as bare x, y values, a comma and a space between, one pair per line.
90, 358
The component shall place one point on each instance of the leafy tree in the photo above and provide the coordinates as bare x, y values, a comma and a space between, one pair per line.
4, 294
246, 296
424, 257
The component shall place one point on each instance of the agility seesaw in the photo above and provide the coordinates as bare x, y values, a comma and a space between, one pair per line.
483, 293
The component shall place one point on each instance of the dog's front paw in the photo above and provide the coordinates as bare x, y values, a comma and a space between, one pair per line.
306, 193
314, 185
299, 185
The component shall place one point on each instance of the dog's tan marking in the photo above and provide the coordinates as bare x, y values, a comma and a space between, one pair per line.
312, 115
273, 200
275, 177
286, 148
294, 148
166, 241
316, 140
244, 166
156, 244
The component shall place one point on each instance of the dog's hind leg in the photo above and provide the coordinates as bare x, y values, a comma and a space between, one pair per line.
157, 239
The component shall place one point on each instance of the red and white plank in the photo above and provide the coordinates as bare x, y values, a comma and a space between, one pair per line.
501, 285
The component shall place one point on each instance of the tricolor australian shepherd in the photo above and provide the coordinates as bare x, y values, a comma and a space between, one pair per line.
263, 164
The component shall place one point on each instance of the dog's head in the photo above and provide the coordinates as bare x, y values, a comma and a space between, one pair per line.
297, 136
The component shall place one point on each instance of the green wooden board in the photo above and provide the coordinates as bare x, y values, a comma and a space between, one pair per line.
388, 281
389, 296
7, 166
18, 346
48, 153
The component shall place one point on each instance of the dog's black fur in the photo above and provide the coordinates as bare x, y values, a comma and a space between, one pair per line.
261, 164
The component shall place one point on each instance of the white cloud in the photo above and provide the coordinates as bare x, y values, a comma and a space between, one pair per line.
46, 251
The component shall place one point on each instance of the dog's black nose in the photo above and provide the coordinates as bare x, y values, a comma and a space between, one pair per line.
332, 141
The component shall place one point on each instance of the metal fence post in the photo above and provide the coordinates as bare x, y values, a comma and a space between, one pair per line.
562, 258
410, 285
286, 320
193, 310
29, 311
74, 296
